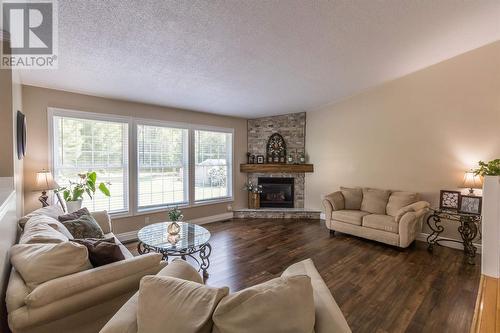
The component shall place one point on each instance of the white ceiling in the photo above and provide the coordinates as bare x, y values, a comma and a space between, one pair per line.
254, 58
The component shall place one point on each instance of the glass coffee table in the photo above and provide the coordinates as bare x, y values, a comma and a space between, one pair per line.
192, 239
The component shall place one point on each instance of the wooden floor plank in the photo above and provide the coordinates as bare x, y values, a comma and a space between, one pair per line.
378, 287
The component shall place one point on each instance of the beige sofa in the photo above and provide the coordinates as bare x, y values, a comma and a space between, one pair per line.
79, 302
328, 318
391, 217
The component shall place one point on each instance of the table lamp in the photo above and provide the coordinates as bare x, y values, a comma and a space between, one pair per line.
44, 182
472, 181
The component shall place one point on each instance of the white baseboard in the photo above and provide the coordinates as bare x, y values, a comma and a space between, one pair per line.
132, 235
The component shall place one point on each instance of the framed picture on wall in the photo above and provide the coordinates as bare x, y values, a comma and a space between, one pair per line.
449, 199
470, 204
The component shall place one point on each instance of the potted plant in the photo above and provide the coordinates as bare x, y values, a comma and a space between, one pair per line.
87, 184
254, 192
175, 215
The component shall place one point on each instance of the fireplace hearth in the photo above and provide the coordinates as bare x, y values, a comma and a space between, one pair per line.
277, 192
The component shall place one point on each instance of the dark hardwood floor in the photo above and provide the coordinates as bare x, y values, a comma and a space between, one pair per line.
378, 287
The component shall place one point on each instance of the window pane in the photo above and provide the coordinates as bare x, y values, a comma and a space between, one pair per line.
82, 145
213, 164
162, 166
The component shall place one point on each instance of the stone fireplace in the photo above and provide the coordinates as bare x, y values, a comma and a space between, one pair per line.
283, 184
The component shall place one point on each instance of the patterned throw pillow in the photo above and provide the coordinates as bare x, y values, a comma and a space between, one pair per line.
84, 227
102, 251
74, 215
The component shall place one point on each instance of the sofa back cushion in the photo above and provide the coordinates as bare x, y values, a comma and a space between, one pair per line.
53, 223
37, 263
41, 233
375, 200
167, 304
283, 305
352, 197
400, 199
52, 211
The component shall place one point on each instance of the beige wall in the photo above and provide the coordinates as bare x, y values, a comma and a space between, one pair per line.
37, 100
418, 133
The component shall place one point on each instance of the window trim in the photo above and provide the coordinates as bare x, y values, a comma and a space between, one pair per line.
132, 192
60, 112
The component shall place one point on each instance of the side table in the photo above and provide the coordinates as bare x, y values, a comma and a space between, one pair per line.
469, 227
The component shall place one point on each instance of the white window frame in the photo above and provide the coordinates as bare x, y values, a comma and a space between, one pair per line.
132, 192
230, 177
58, 112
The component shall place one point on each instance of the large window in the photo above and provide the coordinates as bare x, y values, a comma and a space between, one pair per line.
213, 164
81, 145
162, 166
150, 165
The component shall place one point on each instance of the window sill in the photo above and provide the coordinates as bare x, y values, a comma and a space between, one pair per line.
146, 211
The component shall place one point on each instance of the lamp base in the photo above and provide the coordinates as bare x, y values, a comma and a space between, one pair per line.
43, 199
471, 191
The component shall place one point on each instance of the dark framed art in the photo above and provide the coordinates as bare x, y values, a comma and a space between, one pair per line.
470, 204
21, 135
449, 199
260, 159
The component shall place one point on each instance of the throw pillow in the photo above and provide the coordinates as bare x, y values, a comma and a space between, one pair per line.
400, 199
73, 216
37, 263
41, 233
187, 305
84, 227
352, 197
375, 200
102, 251
284, 305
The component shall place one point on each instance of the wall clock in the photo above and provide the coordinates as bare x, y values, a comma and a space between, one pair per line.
21, 135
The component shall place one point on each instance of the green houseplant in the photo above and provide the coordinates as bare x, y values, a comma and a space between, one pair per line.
87, 184
491, 168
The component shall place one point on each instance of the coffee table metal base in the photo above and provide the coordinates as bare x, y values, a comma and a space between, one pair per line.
203, 251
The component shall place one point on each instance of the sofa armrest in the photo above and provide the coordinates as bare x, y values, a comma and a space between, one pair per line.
419, 207
331, 202
69, 285
103, 219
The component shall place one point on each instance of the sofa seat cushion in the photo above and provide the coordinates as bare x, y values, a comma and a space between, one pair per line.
349, 216
381, 222
375, 200
167, 304
400, 199
264, 307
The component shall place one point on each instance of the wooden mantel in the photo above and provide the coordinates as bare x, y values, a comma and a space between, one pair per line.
274, 168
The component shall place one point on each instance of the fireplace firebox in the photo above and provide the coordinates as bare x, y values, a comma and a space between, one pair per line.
276, 192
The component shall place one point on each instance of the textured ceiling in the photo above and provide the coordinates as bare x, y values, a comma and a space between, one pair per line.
254, 58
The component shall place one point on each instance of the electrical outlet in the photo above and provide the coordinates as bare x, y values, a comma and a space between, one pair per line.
146, 220
229, 208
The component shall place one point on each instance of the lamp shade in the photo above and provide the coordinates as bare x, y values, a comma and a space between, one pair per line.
472, 181
45, 181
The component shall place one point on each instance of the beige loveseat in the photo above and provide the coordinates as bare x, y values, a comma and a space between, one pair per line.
391, 217
328, 317
81, 302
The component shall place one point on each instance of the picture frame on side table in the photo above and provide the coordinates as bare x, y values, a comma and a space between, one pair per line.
449, 200
470, 204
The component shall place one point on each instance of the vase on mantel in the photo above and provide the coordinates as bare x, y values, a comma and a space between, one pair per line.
253, 200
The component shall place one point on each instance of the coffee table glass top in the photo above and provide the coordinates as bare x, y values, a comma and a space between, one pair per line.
190, 235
